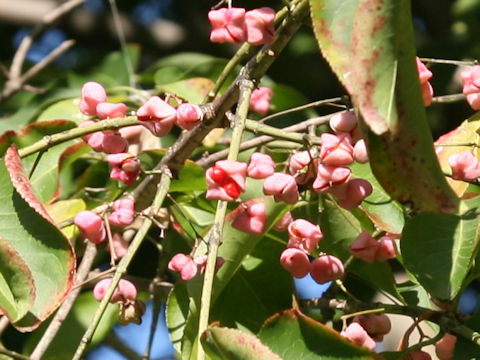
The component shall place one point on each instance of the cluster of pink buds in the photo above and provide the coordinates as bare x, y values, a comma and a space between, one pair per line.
424, 75
471, 86
125, 294
303, 240
188, 266
365, 330
369, 249
158, 116
91, 226
93, 103
465, 166
235, 25
250, 217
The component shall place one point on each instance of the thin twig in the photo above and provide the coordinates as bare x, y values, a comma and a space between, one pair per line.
444, 99
451, 62
215, 238
63, 311
211, 159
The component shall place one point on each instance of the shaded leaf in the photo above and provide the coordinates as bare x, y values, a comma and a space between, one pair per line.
232, 344
438, 249
26, 228
381, 209
295, 336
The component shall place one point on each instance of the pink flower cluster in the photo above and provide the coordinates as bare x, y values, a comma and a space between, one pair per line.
303, 240
92, 227
365, 330
235, 25
188, 266
125, 290
471, 86
424, 75
367, 248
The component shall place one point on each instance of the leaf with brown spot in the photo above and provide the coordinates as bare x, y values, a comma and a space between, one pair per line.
374, 57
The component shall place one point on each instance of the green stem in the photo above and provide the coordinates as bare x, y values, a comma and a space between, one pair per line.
51, 140
13, 354
215, 238
258, 127
162, 191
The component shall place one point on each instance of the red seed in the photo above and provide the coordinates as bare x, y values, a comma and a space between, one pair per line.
232, 189
219, 175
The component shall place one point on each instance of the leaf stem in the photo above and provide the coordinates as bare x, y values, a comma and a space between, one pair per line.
160, 195
215, 238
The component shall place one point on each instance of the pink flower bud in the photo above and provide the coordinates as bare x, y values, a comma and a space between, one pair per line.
123, 213
260, 166
376, 325
114, 143
91, 225
424, 73
418, 355
228, 25
188, 115
120, 246
326, 268
111, 110
260, 100
260, 27
336, 150
343, 122
445, 347
304, 235
92, 94
125, 290
201, 262
387, 249
296, 262
471, 80
157, 116
301, 167
329, 176
184, 265
465, 166
283, 187
360, 153
95, 140
364, 247
357, 334
226, 180
252, 220
285, 220
474, 101
132, 133
356, 190
125, 167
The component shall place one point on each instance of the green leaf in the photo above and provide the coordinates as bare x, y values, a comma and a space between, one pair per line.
176, 314
438, 249
295, 336
193, 90
28, 236
223, 343
381, 209
66, 109
370, 46
64, 210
